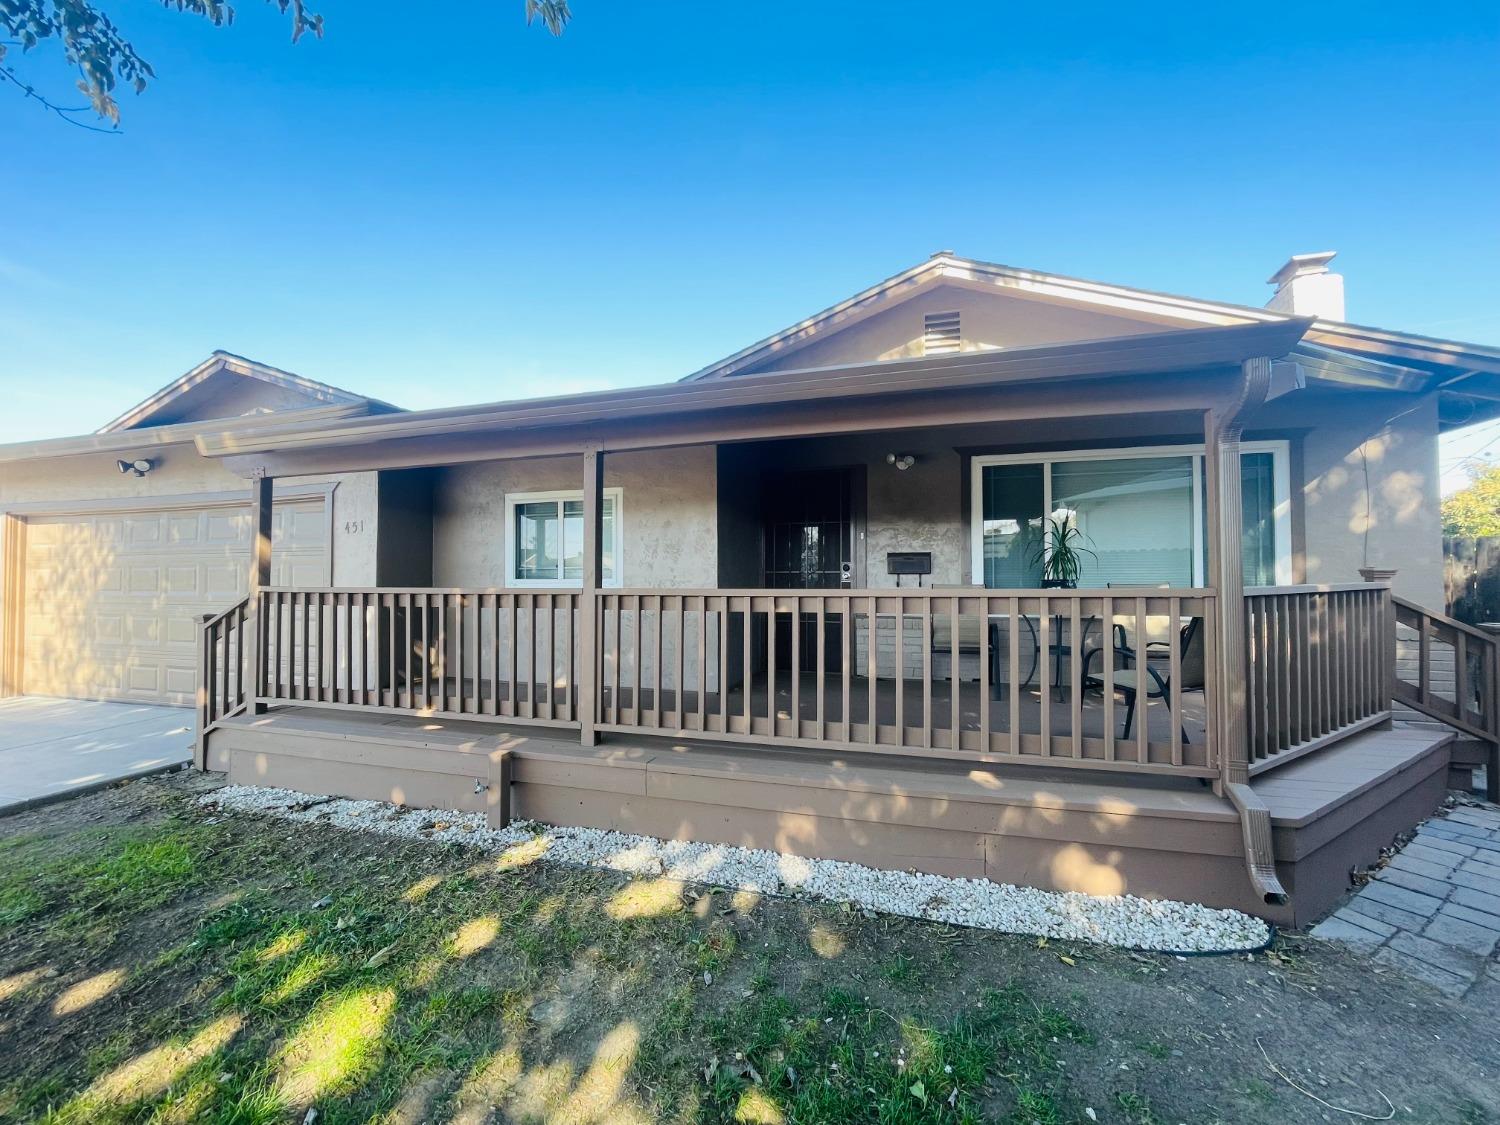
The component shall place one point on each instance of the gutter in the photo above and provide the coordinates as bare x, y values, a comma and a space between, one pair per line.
1144, 354
182, 433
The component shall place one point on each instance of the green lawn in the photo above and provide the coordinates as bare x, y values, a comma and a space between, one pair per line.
161, 965
238, 974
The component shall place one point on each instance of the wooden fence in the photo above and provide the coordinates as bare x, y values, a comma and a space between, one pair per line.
1471, 579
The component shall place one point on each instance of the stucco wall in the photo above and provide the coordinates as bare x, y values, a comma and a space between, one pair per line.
668, 505
986, 320
1371, 493
230, 396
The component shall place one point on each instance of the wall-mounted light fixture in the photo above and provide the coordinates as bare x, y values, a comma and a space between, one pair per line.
902, 461
140, 467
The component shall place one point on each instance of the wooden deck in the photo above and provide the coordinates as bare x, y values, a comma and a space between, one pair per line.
1031, 825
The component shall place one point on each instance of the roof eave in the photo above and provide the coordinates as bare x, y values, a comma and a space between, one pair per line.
221, 361
1180, 350
159, 437
955, 268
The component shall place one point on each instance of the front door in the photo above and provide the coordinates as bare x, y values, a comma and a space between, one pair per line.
813, 531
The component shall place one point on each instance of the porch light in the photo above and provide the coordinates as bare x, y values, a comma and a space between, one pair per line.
902, 461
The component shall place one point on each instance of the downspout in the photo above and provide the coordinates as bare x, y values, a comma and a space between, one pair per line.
1223, 427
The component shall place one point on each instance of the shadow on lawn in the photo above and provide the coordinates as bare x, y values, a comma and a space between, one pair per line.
492, 990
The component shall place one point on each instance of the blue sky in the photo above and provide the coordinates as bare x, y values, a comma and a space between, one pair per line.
471, 210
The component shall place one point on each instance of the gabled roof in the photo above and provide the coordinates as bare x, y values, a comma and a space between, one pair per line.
147, 438
221, 363
649, 416
945, 267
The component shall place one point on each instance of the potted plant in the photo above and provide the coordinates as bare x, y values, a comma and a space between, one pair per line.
1060, 550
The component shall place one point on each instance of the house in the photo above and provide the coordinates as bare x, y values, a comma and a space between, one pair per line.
800, 599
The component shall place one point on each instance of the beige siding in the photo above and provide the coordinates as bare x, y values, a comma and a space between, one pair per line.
668, 503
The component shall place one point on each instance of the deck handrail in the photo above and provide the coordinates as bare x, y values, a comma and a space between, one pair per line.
222, 672
1474, 655
1034, 676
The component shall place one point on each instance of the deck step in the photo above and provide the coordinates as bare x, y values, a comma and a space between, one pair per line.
1315, 786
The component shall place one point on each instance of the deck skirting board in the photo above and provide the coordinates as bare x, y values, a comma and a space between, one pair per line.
1109, 835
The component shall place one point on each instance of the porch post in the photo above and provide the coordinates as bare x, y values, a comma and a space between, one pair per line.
1222, 427
260, 576
1221, 475
587, 688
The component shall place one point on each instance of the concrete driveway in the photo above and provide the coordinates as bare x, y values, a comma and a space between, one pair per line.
54, 747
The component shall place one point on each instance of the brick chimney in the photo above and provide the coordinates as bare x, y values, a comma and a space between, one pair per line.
1306, 287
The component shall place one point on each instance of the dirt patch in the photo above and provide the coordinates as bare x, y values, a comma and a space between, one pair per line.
376, 979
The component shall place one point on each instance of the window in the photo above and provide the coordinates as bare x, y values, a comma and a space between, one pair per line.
1141, 512
544, 538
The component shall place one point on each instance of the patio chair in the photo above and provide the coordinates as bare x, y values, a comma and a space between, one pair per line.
968, 644
1062, 645
1153, 673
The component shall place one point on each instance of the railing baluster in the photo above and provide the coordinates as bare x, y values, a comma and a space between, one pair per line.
1013, 672
929, 720
819, 672
214, 634
1142, 695
984, 673
721, 620
1044, 672
1075, 675
899, 676
795, 665
702, 708
659, 676
846, 660
681, 634
955, 678
747, 668
1174, 673
1107, 657
872, 671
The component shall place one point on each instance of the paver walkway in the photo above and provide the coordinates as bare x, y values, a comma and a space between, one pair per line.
1434, 912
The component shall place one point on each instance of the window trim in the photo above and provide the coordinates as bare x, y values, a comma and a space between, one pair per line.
515, 499
1280, 486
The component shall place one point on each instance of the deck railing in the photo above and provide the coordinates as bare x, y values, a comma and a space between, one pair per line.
223, 680
460, 653
1447, 670
1318, 666
1116, 679
1033, 676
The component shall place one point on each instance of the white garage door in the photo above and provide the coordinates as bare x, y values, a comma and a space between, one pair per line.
112, 601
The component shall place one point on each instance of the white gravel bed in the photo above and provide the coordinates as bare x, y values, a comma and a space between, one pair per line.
1128, 921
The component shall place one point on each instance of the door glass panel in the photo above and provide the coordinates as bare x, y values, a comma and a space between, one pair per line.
1258, 495
807, 530
1136, 516
1012, 504
536, 540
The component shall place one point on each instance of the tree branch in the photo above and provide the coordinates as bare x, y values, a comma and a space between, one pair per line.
63, 112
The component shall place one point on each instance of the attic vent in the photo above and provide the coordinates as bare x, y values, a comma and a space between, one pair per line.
940, 333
